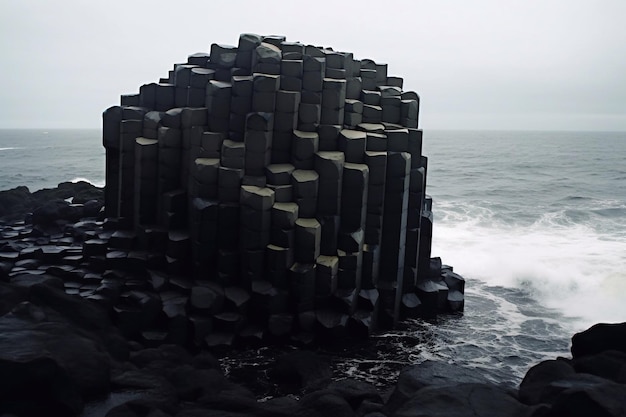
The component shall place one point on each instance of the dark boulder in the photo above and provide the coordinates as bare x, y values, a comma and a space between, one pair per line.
356, 392
471, 400
197, 379
16, 202
89, 318
598, 338
584, 395
429, 373
80, 192
610, 364
538, 378
31, 333
324, 403
83, 313
54, 211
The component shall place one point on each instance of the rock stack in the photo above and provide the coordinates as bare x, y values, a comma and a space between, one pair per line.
275, 189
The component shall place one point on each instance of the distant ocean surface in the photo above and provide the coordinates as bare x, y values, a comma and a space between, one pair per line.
42, 159
535, 222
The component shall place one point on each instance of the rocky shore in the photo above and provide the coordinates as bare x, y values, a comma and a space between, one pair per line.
66, 351
18, 203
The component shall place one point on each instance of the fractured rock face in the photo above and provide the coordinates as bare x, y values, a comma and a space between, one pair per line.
291, 173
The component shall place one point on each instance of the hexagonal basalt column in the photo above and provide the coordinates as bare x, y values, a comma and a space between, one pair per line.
285, 184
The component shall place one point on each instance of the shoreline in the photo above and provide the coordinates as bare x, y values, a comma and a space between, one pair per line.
18, 202
88, 357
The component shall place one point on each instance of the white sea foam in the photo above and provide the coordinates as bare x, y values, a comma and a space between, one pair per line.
566, 266
94, 183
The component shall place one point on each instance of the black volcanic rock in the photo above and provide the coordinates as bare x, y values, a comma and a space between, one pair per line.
30, 333
538, 378
598, 338
55, 210
86, 315
428, 374
357, 393
471, 400
59, 350
14, 203
17, 202
56, 350
591, 384
326, 403
610, 364
80, 192
582, 396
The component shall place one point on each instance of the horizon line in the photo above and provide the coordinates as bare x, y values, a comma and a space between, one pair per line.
472, 129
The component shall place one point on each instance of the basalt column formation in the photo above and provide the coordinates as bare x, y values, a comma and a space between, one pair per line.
272, 189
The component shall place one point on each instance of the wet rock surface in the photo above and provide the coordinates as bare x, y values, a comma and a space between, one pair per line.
78, 337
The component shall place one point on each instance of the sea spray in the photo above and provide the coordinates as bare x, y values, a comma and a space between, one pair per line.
95, 183
563, 264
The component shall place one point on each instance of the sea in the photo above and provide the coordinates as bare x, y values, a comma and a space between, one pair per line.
535, 221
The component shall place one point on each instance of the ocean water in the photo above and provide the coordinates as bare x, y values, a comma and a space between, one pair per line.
543, 212
44, 158
535, 222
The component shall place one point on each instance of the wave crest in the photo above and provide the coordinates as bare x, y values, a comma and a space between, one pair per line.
99, 184
578, 268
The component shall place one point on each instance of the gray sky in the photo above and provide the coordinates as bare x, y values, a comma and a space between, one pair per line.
485, 64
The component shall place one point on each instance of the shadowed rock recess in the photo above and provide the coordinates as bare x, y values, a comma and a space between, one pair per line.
273, 190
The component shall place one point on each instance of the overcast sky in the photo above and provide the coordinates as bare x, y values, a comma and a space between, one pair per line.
485, 64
